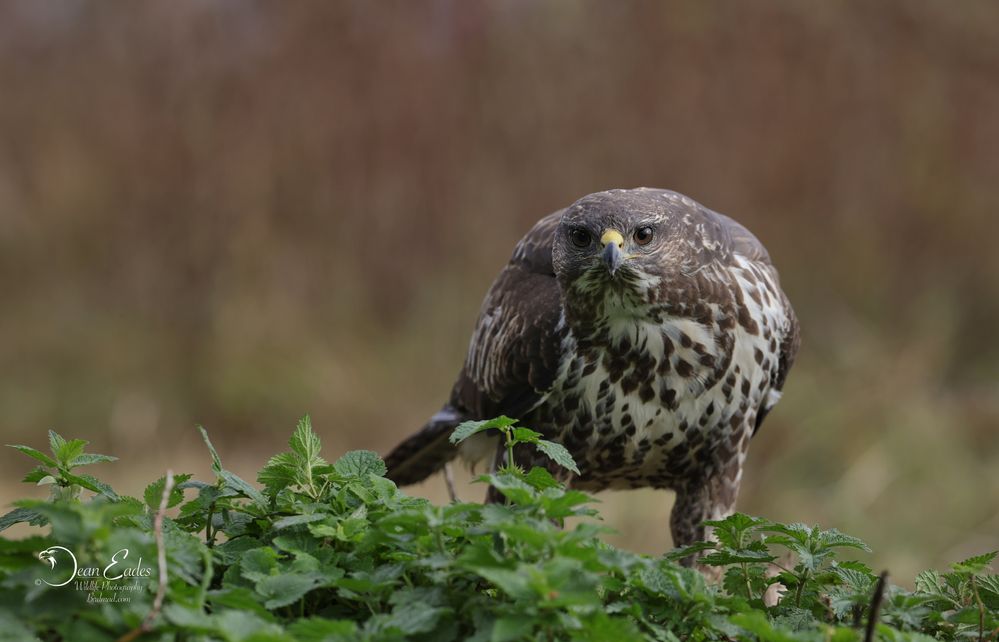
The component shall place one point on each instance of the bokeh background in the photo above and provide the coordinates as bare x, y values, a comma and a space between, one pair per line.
234, 213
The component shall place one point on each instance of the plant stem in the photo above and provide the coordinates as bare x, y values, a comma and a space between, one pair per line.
981, 610
801, 587
509, 448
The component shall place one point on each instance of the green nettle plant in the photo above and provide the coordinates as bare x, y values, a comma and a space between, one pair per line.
335, 552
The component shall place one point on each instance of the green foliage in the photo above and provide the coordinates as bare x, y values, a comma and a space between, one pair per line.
337, 553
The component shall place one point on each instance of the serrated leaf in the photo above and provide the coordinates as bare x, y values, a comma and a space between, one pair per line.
18, 516
154, 492
286, 588
305, 443
687, 551
216, 460
90, 458
36, 454
513, 487
558, 454
297, 520
468, 428
70, 450
731, 556
834, 538
733, 530
56, 443
279, 472
514, 583
525, 436
36, 475
238, 484
360, 463
415, 617
258, 563
975, 565
92, 484
988, 586
540, 478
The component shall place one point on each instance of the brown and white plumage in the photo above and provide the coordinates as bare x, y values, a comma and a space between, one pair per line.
653, 360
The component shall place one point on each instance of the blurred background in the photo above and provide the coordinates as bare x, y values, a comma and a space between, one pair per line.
235, 213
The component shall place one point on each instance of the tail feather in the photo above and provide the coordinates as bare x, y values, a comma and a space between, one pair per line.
425, 452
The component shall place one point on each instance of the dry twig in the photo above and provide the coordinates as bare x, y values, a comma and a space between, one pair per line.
875, 608
147, 623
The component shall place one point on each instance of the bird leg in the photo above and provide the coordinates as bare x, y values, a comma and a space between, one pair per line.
449, 482
701, 500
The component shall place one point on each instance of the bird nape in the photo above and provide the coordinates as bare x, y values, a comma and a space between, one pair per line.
646, 333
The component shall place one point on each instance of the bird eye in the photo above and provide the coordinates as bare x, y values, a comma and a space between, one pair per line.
579, 237
644, 234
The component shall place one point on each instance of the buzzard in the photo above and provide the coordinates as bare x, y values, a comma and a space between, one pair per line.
646, 333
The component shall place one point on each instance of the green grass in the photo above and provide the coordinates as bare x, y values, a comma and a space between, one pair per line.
320, 551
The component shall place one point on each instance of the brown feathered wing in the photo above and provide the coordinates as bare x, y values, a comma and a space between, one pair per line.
512, 359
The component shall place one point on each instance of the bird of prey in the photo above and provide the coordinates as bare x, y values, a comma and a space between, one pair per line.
646, 333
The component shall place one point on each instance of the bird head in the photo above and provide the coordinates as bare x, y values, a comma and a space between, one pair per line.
619, 242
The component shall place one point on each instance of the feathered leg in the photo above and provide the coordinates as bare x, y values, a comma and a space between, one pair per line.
704, 499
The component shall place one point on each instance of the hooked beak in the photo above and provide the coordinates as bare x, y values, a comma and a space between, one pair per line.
611, 254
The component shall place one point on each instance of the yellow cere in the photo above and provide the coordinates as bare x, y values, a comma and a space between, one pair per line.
612, 236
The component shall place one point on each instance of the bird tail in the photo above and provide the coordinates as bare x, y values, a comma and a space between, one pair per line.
425, 452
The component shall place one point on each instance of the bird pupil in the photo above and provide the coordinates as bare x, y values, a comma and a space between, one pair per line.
643, 234
581, 238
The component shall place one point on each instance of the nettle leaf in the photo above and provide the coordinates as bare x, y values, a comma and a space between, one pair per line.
287, 588
413, 617
856, 580
305, 443
799, 533
732, 530
37, 454
36, 475
525, 436
513, 487
516, 584
154, 492
540, 478
736, 556
988, 587
558, 454
279, 472
468, 428
92, 484
239, 485
834, 538
560, 503
975, 565
70, 450
21, 515
90, 458
258, 563
216, 460
360, 463
296, 520
687, 551
56, 443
